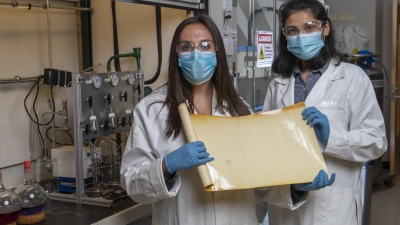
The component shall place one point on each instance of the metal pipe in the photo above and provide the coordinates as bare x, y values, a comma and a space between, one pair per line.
53, 123
15, 4
73, 8
276, 34
49, 34
136, 54
78, 139
253, 31
17, 79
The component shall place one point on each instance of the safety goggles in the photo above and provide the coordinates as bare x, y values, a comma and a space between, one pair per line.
305, 28
203, 46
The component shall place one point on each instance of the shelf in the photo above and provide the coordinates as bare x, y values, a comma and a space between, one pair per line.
365, 55
187, 4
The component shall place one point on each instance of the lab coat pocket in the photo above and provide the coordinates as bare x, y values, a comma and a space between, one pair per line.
334, 110
336, 206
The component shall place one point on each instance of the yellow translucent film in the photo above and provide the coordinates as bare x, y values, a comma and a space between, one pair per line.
268, 149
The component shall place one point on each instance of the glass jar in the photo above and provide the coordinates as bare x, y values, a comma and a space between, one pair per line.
10, 205
47, 174
33, 198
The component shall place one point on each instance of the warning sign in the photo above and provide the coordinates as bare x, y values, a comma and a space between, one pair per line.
265, 48
261, 54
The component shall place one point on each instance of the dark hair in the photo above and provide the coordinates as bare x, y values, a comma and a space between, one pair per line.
180, 90
285, 61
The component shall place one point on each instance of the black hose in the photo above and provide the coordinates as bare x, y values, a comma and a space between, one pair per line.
159, 46
36, 119
117, 64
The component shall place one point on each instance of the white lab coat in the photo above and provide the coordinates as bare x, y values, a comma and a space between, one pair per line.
186, 203
345, 95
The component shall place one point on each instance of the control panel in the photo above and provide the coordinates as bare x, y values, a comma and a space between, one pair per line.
104, 102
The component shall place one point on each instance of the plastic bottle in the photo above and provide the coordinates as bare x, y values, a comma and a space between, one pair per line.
354, 57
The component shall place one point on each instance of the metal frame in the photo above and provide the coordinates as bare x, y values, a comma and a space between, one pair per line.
82, 86
188, 5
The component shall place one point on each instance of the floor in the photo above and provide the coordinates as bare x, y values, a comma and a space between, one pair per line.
385, 204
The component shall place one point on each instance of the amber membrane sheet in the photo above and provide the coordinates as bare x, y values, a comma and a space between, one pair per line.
265, 149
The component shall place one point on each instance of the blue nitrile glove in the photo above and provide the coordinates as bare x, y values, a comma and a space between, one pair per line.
320, 181
319, 122
188, 156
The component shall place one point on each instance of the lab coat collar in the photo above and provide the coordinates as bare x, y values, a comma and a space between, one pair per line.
324, 83
286, 85
214, 102
282, 80
336, 76
286, 89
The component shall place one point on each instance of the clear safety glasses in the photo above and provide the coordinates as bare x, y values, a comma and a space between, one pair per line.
305, 28
203, 46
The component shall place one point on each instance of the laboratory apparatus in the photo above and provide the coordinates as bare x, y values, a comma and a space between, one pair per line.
112, 163
98, 188
372, 170
103, 109
33, 198
10, 205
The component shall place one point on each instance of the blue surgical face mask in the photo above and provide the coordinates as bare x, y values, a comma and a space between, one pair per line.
197, 67
305, 46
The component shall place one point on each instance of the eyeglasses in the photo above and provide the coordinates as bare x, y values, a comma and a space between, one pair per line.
306, 28
203, 46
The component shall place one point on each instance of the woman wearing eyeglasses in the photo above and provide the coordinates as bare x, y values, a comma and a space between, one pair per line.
342, 109
159, 166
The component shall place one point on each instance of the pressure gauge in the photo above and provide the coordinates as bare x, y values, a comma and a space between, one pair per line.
96, 80
114, 79
131, 77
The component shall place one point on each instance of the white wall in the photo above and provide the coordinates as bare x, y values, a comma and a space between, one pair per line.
136, 28
360, 13
24, 51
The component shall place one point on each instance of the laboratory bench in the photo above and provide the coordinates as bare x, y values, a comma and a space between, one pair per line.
123, 211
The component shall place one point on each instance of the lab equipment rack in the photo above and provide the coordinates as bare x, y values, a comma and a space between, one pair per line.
103, 106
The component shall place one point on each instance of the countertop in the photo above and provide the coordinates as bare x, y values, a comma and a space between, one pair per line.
67, 213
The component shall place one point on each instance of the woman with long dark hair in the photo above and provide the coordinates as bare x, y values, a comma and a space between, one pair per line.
159, 166
341, 107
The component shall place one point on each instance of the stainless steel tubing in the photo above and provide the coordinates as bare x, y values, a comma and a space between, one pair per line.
17, 79
49, 35
15, 4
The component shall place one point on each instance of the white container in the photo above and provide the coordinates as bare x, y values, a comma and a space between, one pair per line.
66, 158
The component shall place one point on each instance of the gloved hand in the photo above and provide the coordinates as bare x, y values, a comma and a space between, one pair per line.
319, 122
320, 181
188, 156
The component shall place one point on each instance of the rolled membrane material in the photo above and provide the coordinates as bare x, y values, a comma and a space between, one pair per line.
266, 149
205, 175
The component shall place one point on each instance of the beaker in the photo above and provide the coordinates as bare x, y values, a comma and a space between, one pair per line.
47, 174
